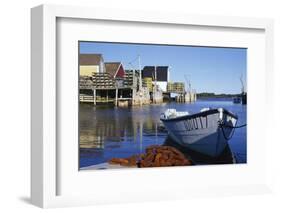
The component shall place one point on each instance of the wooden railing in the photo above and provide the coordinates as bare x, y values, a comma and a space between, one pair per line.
86, 98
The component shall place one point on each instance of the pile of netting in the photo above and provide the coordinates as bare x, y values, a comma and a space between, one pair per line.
154, 156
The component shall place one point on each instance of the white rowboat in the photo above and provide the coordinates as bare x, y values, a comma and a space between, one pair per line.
206, 132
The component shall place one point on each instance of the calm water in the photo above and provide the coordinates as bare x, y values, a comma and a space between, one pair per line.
107, 132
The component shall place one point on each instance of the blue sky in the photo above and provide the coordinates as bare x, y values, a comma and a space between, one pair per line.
209, 69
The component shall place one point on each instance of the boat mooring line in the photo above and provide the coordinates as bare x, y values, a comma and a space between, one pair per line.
221, 125
234, 127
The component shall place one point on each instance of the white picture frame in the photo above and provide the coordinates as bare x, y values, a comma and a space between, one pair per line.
45, 151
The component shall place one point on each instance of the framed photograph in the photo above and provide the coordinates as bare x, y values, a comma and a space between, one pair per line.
133, 105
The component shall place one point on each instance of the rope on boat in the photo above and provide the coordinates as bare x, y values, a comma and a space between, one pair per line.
222, 125
234, 127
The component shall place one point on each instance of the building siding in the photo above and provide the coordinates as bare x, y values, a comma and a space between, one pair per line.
121, 72
162, 85
88, 70
162, 73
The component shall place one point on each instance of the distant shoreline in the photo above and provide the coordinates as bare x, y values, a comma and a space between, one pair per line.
213, 95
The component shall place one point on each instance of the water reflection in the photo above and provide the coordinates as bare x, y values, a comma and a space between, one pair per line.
99, 125
107, 132
226, 157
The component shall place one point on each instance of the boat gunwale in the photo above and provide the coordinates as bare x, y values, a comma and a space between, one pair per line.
199, 114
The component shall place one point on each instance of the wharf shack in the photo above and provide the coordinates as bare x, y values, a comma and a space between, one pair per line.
187, 97
109, 83
182, 95
156, 79
90, 64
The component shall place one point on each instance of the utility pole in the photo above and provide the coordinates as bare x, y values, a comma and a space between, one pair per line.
155, 74
140, 83
189, 92
133, 70
155, 86
134, 84
140, 72
187, 83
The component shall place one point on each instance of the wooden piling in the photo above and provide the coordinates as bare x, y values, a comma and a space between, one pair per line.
107, 96
116, 97
95, 96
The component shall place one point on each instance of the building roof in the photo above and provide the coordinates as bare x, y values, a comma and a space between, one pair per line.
90, 59
112, 67
161, 72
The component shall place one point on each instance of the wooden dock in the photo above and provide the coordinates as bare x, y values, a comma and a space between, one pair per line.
102, 88
107, 95
187, 97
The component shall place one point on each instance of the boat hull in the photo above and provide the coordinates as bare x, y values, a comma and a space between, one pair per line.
202, 132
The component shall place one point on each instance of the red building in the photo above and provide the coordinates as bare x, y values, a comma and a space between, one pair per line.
115, 69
